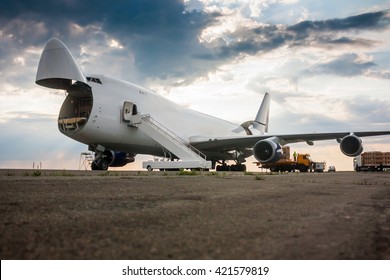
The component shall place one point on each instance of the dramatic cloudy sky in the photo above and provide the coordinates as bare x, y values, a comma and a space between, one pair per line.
325, 63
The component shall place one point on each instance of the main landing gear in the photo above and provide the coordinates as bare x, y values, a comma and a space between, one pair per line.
234, 167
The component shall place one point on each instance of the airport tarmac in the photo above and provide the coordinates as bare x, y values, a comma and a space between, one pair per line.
164, 215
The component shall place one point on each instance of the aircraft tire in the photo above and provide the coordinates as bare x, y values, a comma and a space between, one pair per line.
94, 166
223, 168
103, 165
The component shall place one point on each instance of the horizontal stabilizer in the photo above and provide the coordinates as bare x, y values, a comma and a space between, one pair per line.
57, 67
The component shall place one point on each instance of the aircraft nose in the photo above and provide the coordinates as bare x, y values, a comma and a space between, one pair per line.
54, 43
57, 67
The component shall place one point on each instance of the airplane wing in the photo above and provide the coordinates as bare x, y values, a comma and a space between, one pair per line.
248, 141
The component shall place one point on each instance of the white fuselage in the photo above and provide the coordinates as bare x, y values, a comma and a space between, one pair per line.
105, 125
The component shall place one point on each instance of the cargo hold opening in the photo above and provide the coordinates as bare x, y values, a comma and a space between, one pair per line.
76, 109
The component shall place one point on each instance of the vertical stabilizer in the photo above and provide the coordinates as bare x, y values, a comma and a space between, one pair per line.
57, 67
262, 117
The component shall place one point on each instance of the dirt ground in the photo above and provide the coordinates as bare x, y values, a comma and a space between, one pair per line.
167, 215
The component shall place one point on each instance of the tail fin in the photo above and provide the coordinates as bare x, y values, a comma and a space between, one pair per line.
57, 67
262, 117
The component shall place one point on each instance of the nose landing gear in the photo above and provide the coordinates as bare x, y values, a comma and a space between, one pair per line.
101, 161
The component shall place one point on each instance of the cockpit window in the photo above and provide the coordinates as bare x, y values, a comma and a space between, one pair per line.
95, 80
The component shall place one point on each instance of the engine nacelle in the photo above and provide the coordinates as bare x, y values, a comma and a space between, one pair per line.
117, 159
266, 151
351, 145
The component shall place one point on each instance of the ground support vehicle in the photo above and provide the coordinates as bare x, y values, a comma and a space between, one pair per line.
372, 161
319, 166
300, 162
168, 165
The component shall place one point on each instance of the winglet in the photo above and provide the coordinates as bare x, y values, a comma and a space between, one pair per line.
57, 67
262, 117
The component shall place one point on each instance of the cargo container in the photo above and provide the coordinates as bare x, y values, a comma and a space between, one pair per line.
372, 161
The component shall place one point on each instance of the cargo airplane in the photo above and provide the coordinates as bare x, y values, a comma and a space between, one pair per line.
118, 120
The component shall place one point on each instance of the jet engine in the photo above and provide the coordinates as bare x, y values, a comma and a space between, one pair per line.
267, 151
351, 145
117, 159
110, 158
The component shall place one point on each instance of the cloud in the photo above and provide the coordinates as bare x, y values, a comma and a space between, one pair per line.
346, 65
26, 131
367, 109
253, 39
372, 21
336, 42
159, 33
313, 113
163, 37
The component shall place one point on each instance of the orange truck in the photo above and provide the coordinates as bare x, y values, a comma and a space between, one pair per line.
301, 162
372, 161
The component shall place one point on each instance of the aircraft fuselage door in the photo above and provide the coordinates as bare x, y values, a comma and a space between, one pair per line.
129, 109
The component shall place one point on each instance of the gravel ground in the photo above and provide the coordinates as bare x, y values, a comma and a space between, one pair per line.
164, 215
